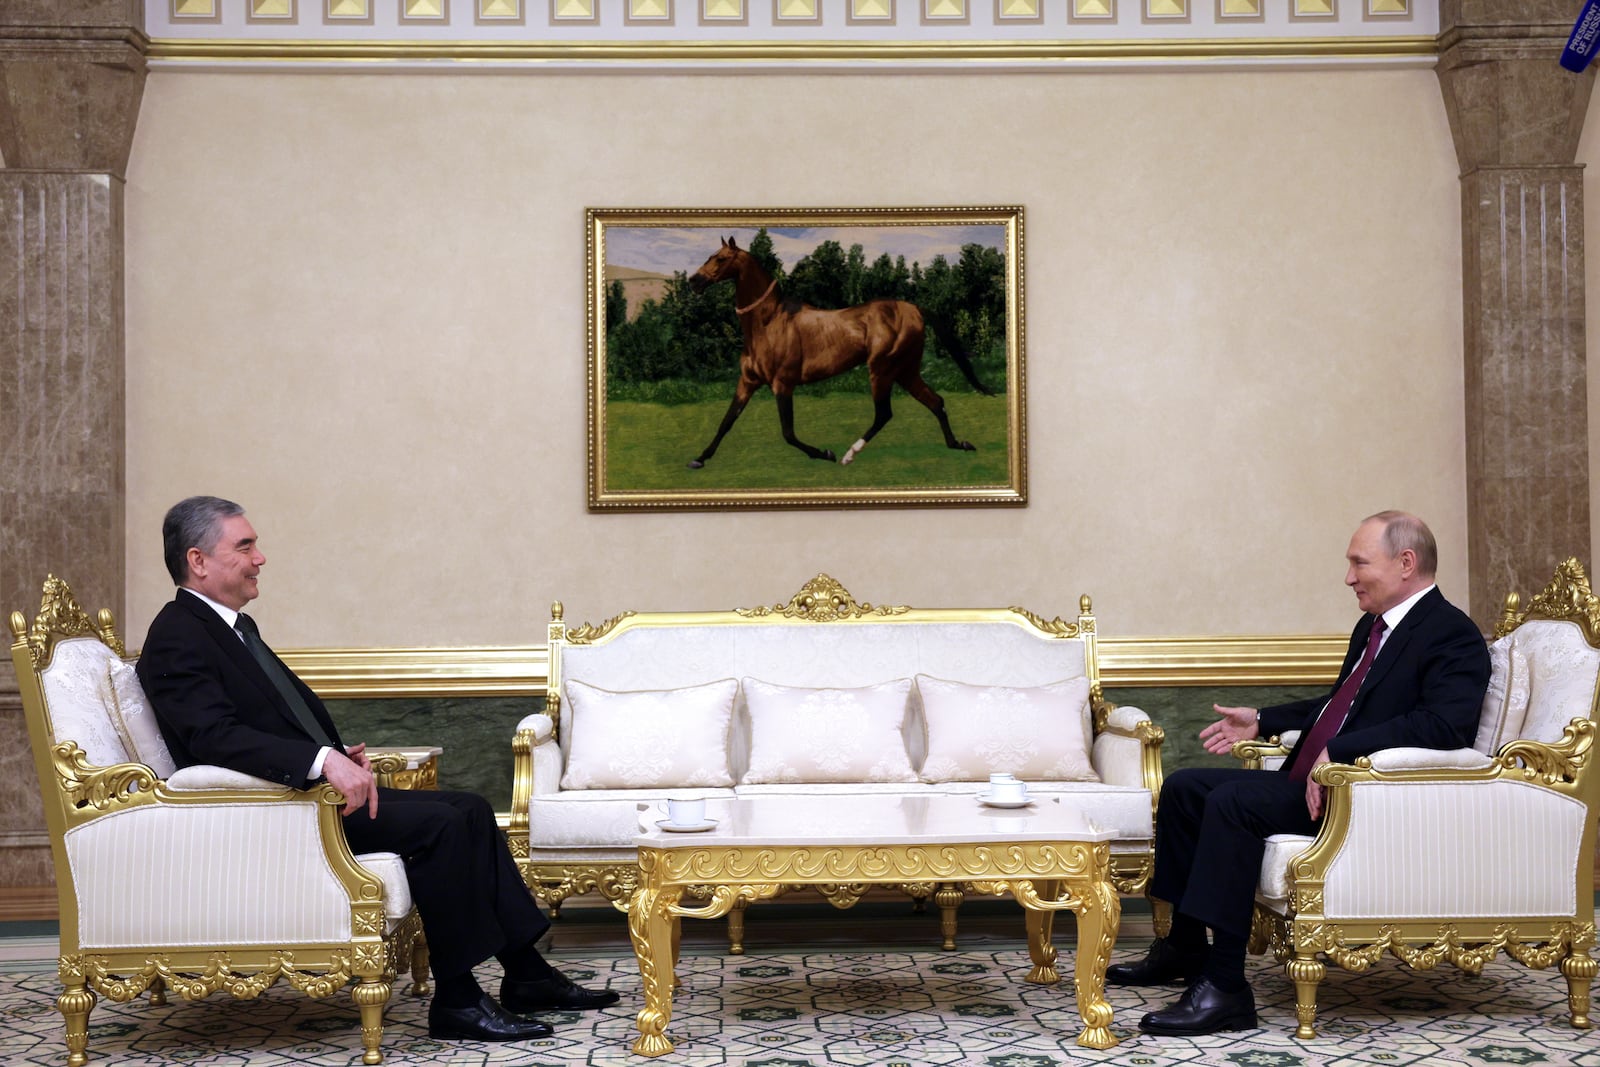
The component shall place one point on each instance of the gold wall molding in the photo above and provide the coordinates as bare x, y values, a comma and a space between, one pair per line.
699, 54
349, 673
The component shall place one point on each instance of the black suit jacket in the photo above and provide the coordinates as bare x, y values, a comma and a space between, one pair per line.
1425, 689
215, 704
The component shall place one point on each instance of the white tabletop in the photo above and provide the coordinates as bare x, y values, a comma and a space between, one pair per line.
874, 820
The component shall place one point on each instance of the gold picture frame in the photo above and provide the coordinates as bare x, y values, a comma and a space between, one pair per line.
775, 358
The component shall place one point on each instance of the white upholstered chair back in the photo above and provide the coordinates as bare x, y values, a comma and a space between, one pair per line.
1544, 675
94, 698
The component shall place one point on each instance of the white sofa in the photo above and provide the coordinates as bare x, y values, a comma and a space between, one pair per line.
818, 695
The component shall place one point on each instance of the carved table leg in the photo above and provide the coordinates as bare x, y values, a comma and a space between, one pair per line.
1098, 918
653, 931
1041, 927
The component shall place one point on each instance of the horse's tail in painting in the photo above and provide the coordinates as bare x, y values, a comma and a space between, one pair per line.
958, 351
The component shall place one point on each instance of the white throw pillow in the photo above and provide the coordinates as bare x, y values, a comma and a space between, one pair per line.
134, 719
661, 738
827, 735
1040, 734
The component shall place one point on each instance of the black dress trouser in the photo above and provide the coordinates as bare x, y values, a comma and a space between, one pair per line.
1211, 831
472, 900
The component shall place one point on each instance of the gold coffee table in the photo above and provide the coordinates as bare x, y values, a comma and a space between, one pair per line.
1046, 855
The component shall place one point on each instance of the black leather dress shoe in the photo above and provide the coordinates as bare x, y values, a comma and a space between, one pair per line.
484, 1021
1203, 1009
556, 993
1162, 965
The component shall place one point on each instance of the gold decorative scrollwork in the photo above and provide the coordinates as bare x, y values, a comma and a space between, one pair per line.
875, 865
1564, 940
587, 634
1567, 597
217, 976
843, 896
554, 883
1555, 763
1056, 627
98, 787
60, 616
822, 599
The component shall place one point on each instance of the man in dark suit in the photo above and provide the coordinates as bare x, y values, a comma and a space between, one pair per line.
1414, 676
223, 698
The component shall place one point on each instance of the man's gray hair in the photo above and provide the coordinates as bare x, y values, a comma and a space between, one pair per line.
193, 523
1403, 530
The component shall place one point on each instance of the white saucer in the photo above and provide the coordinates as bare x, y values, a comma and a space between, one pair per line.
987, 799
686, 828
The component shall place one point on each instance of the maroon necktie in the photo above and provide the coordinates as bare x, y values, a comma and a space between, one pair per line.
1333, 715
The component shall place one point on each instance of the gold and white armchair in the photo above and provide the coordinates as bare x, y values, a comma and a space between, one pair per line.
1455, 856
197, 880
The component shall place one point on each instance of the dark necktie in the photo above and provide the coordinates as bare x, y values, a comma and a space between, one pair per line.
281, 682
1333, 716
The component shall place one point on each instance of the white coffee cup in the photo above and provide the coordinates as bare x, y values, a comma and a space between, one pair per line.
686, 811
1001, 776
1008, 792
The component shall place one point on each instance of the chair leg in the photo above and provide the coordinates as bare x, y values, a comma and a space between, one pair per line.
1580, 971
949, 897
1306, 973
158, 992
419, 967
736, 928
1160, 916
370, 997
75, 1003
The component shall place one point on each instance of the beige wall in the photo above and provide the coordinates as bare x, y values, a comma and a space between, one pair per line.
355, 304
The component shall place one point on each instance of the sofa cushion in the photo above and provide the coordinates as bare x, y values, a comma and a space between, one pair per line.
1041, 733
135, 721
661, 738
827, 735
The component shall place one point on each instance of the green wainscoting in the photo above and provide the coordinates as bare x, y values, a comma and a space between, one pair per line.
475, 733
1182, 710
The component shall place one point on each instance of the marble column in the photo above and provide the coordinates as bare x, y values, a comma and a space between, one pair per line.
71, 79
1516, 116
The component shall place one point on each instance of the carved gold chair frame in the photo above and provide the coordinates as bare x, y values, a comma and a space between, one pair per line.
77, 793
824, 601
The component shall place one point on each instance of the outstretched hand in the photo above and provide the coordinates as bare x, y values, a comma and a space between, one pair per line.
353, 777
1236, 724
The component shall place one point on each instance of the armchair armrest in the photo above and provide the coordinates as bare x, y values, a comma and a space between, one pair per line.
1401, 823
202, 776
542, 726
1127, 749
1265, 753
245, 855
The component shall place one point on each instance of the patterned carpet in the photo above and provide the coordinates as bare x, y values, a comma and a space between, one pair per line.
873, 1007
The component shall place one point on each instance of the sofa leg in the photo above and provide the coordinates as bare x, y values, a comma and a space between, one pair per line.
1306, 973
1160, 917
736, 928
419, 966
158, 992
75, 1003
1580, 971
949, 897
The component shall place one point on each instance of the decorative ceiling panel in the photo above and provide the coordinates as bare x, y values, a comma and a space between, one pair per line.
758, 34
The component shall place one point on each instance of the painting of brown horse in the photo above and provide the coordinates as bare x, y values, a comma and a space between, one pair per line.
788, 344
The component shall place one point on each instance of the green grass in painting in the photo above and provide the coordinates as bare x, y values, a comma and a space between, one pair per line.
649, 446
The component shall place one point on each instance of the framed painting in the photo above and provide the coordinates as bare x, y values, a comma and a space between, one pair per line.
804, 358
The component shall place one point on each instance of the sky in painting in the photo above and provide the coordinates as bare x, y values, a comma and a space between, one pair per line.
663, 250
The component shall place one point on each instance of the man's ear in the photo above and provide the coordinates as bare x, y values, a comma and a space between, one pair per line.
1408, 562
197, 562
